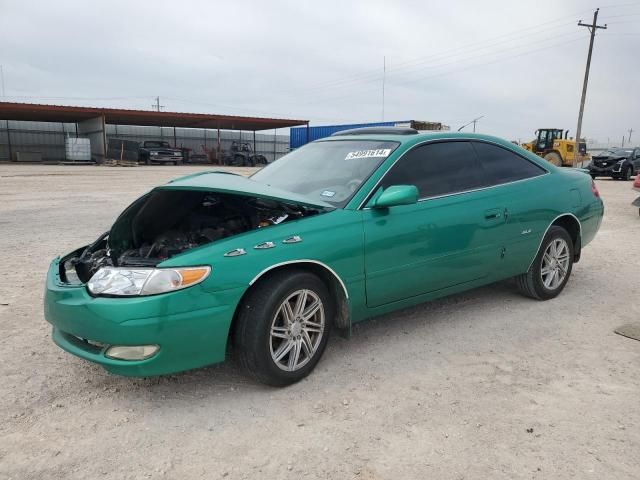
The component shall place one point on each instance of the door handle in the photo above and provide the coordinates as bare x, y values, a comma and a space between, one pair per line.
493, 214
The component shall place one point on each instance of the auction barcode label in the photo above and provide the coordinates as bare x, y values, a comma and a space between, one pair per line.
381, 152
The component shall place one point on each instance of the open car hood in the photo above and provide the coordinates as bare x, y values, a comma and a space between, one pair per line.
226, 182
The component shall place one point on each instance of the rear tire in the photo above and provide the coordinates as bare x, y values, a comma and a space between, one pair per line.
551, 269
554, 158
275, 337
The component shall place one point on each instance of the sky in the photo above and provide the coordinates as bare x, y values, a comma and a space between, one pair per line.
518, 64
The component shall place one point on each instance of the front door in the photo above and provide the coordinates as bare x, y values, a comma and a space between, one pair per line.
449, 237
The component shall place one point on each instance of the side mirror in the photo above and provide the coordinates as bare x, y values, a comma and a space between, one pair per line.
397, 195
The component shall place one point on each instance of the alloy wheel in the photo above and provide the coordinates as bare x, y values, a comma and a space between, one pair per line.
555, 263
296, 330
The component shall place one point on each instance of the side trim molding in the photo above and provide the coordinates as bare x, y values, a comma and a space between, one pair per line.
293, 262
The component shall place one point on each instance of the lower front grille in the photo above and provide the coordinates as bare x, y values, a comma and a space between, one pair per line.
89, 346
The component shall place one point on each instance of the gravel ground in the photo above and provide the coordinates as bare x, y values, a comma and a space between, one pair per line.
486, 384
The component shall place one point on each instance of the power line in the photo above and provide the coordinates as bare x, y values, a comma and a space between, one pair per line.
373, 75
474, 121
450, 60
443, 73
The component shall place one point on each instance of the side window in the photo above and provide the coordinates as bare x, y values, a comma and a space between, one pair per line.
437, 169
502, 166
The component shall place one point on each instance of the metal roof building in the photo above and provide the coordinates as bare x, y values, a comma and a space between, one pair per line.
91, 122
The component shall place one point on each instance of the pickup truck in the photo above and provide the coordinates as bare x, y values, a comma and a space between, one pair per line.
157, 151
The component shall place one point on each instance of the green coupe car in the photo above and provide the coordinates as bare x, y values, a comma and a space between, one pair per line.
343, 229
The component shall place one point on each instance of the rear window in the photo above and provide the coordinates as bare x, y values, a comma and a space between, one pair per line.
156, 144
502, 166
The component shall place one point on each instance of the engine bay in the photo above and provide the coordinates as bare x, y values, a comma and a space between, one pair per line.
165, 223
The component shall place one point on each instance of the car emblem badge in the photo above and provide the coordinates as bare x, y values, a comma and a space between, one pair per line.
264, 245
292, 239
236, 252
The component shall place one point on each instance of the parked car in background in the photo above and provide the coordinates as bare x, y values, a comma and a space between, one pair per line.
340, 230
242, 155
158, 151
620, 163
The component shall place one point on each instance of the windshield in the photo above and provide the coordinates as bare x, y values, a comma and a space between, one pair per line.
156, 144
331, 171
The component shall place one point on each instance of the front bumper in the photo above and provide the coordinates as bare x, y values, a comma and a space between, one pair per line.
608, 171
165, 158
191, 326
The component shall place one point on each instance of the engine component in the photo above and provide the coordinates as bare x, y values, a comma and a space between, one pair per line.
169, 222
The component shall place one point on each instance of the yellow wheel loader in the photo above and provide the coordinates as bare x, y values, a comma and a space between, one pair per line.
550, 145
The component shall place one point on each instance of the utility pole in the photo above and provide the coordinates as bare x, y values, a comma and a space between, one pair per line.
156, 106
592, 29
630, 132
384, 77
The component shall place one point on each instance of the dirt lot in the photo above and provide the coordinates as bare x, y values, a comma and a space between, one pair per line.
486, 384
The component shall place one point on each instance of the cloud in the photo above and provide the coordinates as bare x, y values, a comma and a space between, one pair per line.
520, 64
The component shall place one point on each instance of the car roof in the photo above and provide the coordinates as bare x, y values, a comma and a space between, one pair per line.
418, 138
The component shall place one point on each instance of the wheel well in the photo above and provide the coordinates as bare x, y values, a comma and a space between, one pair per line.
342, 318
572, 226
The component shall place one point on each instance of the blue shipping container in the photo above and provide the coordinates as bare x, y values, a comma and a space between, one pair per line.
298, 135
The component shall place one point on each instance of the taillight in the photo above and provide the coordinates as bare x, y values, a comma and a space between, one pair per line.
594, 189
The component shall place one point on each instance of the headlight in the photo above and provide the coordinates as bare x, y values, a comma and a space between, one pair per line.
144, 281
153, 153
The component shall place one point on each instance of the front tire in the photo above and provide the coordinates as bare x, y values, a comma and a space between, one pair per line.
551, 269
627, 174
282, 327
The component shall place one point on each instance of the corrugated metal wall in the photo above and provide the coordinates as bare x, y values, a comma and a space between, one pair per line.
298, 136
43, 137
48, 138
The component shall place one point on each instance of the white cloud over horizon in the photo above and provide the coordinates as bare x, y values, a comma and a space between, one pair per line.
520, 64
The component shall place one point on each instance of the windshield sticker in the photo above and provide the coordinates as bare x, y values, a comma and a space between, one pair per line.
328, 193
380, 152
